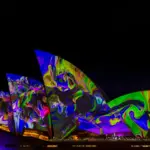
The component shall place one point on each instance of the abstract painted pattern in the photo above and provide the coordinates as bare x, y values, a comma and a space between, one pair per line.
68, 102
6, 112
70, 93
29, 104
136, 115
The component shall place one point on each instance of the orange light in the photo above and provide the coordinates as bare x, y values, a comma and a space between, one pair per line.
75, 137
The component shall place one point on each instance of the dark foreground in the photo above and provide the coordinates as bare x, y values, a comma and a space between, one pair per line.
11, 142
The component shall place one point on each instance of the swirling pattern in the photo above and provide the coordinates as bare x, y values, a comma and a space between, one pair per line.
135, 116
67, 101
29, 104
77, 93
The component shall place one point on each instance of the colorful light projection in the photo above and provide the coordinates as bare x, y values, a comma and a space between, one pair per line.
135, 112
6, 113
70, 93
129, 113
104, 124
71, 102
55, 69
29, 103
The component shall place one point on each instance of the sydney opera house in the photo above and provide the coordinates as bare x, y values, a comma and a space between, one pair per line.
69, 102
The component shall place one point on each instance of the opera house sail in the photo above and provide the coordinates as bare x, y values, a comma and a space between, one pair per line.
72, 96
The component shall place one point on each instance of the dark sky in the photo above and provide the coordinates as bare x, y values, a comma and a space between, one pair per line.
114, 62
131, 17
117, 61
8, 8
